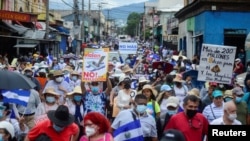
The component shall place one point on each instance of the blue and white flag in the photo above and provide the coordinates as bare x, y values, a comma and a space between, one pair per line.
20, 97
131, 131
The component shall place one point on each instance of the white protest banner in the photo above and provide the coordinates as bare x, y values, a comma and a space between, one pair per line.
216, 63
95, 64
127, 47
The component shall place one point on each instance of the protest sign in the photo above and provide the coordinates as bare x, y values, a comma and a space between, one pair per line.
95, 64
127, 48
216, 63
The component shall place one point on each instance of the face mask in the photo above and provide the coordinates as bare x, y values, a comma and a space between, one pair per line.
57, 128
172, 112
1, 137
232, 117
59, 79
71, 61
191, 113
141, 109
28, 74
74, 78
238, 99
127, 86
114, 61
89, 131
1, 114
80, 65
61, 61
50, 99
66, 72
77, 98
127, 61
227, 99
150, 70
95, 89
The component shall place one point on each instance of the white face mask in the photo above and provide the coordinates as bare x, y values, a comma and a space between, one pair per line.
59, 79
232, 117
90, 131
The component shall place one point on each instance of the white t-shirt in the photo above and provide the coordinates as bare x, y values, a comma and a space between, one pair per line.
219, 121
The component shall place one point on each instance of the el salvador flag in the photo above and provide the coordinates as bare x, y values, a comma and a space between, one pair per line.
20, 97
49, 59
129, 132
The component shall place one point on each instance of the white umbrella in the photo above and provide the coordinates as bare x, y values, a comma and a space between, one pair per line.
176, 57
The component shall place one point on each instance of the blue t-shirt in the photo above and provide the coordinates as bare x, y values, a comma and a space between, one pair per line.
246, 98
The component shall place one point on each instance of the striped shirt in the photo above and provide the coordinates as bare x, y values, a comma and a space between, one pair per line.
212, 112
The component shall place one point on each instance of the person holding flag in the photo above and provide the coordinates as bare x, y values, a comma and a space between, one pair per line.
135, 124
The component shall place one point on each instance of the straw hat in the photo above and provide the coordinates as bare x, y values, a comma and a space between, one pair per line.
142, 79
228, 93
195, 92
77, 90
118, 73
57, 73
150, 88
173, 101
178, 78
51, 90
126, 69
67, 68
75, 73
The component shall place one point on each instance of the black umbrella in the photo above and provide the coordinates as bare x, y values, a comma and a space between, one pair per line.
13, 80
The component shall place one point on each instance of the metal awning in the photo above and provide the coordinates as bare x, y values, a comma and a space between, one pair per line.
25, 45
197, 35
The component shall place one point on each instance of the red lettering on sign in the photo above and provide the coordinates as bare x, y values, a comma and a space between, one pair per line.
92, 55
90, 74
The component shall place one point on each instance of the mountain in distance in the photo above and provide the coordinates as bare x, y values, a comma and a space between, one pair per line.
121, 13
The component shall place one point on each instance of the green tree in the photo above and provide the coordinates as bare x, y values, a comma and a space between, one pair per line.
132, 22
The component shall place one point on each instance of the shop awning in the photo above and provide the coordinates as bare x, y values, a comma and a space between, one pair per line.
16, 28
62, 29
25, 45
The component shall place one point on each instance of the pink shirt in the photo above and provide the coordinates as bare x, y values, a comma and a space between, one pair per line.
106, 137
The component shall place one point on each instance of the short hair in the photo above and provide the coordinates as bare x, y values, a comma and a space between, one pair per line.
192, 98
140, 96
100, 120
229, 104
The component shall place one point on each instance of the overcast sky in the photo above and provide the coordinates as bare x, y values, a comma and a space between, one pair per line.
67, 4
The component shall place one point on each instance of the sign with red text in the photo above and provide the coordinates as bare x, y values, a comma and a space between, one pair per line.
95, 64
216, 63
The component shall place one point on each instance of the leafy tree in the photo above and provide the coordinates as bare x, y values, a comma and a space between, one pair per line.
132, 22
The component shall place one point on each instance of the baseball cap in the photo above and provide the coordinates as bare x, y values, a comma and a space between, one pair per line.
172, 101
173, 135
237, 60
217, 93
237, 91
165, 88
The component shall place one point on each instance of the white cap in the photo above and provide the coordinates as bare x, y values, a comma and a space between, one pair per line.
172, 101
8, 126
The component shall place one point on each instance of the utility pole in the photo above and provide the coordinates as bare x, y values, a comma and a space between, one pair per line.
144, 20
89, 13
99, 23
83, 26
47, 19
76, 13
108, 25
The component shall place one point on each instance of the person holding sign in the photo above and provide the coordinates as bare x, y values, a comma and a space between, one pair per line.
95, 100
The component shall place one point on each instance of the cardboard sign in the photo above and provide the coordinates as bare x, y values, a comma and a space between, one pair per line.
128, 47
40, 118
216, 63
95, 64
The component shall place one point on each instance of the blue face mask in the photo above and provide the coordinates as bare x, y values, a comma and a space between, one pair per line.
141, 109
1, 115
50, 99
238, 99
227, 99
95, 89
74, 78
1, 137
57, 128
77, 98
172, 112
